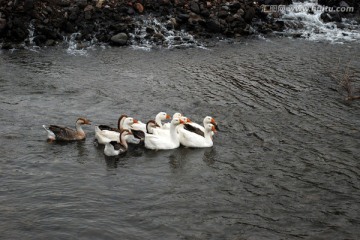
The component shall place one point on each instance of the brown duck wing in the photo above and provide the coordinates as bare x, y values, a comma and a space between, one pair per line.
63, 133
193, 129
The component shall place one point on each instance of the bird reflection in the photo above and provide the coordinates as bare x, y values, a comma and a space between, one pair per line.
179, 157
114, 162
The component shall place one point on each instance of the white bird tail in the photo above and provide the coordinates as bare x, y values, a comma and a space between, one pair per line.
50, 135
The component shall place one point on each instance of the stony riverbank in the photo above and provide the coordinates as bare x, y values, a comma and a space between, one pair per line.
118, 22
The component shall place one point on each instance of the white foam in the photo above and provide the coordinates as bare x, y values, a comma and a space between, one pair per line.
313, 28
172, 38
73, 46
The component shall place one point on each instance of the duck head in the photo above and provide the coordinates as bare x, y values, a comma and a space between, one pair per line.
211, 120
83, 121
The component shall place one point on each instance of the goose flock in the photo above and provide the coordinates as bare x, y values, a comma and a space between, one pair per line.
155, 134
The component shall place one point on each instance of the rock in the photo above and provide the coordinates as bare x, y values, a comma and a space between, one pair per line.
225, 8
173, 23
73, 16
50, 42
159, 36
139, 7
241, 12
230, 19
39, 40
205, 13
235, 6
99, 3
194, 6
81, 3
213, 26
18, 34
7, 45
88, 8
275, 2
49, 10
340, 25
87, 15
223, 14
183, 17
344, 4
2, 24
194, 18
120, 39
249, 15
280, 23
74, 13
130, 11
63, 3
119, 27
150, 30
330, 17
69, 27
28, 5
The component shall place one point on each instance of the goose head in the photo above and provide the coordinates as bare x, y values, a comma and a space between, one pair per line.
211, 120
82, 121
150, 125
209, 127
163, 116
177, 115
177, 121
128, 122
185, 119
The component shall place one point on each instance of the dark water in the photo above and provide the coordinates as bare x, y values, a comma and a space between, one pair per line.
284, 166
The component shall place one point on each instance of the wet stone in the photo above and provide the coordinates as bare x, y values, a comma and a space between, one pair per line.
120, 39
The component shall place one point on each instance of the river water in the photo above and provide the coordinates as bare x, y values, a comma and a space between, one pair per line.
285, 164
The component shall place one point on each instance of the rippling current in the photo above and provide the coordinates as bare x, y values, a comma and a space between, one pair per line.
285, 164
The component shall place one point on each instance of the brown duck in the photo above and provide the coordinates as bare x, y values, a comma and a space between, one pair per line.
61, 133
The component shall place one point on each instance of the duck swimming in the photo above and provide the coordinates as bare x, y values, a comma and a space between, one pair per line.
194, 140
163, 142
60, 133
114, 148
200, 130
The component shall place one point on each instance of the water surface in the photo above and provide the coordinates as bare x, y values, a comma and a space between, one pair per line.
284, 165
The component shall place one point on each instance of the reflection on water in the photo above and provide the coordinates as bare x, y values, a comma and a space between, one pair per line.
283, 166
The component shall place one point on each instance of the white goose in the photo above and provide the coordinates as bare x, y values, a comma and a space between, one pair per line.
167, 125
191, 139
161, 116
198, 129
114, 148
158, 142
102, 136
166, 132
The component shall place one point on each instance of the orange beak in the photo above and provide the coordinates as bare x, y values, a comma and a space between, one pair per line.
181, 121
213, 129
213, 121
135, 121
188, 120
168, 116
